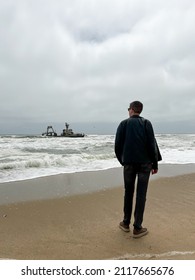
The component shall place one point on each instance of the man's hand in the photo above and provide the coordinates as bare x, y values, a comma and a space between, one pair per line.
154, 171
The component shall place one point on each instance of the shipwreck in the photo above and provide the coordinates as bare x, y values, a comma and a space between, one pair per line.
66, 132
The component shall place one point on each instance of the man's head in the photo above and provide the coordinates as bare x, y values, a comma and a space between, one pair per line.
136, 107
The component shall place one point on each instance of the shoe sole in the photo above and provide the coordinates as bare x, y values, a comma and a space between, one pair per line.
124, 229
140, 234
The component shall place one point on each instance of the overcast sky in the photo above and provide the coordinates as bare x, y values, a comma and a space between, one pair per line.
85, 60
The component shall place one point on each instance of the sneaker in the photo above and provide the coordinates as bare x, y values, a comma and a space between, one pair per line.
139, 232
124, 227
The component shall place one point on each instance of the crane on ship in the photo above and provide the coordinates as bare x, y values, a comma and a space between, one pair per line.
50, 131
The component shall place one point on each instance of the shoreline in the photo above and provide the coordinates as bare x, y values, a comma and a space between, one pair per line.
69, 184
85, 226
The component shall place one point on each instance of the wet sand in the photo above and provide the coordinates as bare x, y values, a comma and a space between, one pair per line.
85, 226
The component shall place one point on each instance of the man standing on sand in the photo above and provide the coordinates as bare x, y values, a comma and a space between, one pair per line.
137, 150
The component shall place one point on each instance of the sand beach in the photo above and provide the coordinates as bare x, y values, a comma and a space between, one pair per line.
39, 219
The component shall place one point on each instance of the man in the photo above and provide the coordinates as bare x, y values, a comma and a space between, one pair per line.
137, 150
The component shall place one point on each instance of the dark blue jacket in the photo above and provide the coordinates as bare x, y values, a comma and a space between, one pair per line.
135, 142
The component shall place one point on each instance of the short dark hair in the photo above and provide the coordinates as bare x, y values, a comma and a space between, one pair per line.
136, 106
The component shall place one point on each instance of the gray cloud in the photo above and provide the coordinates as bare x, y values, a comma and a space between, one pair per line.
86, 60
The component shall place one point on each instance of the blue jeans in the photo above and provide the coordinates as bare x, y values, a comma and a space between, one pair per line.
142, 172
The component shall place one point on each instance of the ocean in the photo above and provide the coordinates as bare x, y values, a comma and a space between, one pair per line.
25, 157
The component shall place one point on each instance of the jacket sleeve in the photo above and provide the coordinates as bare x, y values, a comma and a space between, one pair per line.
119, 141
152, 145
